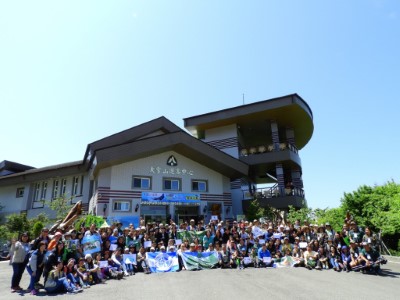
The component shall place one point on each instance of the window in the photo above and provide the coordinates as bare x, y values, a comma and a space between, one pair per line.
63, 186
20, 192
122, 206
199, 185
55, 188
36, 192
44, 191
75, 185
143, 183
172, 184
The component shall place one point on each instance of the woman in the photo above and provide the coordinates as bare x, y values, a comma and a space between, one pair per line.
334, 258
371, 238
19, 252
56, 254
35, 266
71, 273
208, 239
58, 283
141, 261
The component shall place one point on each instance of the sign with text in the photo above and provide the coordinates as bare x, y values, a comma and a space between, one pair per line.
171, 198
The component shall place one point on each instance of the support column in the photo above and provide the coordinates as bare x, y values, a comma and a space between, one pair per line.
275, 134
296, 178
281, 179
290, 136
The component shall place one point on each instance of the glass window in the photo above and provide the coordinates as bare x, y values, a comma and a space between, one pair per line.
20, 192
122, 206
63, 187
44, 190
55, 188
172, 184
199, 185
75, 184
36, 192
143, 183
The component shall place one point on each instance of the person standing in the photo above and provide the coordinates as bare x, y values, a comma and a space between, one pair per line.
35, 266
19, 251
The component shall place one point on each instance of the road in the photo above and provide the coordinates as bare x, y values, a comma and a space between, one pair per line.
292, 283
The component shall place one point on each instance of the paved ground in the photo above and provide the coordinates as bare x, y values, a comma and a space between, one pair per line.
293, 283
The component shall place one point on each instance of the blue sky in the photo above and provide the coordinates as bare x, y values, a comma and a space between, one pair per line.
72, 72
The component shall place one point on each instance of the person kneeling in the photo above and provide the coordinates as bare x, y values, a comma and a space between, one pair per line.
57, 282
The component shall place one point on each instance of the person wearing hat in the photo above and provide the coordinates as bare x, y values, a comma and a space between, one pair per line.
56, 237
345, 259
369, 259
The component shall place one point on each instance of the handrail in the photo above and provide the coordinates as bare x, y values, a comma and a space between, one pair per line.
253, 150
275, 191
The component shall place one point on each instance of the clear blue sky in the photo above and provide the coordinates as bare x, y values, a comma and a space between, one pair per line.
72, 72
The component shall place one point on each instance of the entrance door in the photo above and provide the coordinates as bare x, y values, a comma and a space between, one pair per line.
154, 213
186, 213
214, 209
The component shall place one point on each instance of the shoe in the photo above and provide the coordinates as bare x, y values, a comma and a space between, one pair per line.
79, 290
28, 290
72, 292
13, 290
33, 292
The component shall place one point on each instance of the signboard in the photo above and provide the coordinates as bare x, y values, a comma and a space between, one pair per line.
170, 198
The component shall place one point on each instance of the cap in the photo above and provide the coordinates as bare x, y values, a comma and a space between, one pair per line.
57, 234
344, 247
88, 256
162, 247
192, 245
327, 224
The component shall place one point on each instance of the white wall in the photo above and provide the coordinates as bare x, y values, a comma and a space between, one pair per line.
220, 133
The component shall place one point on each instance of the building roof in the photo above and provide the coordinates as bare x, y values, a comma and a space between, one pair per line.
9, 167
42, 173
290, 111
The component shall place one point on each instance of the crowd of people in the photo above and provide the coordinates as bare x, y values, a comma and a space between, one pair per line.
65, 267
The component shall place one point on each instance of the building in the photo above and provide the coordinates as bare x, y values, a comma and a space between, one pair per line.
159, 171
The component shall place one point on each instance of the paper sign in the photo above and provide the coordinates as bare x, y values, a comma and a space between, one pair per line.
303, 245
147, 244
267, 260
246, 260
214, 218
113, 247
130, 258
178, 242
277, 235
257, 231
261, 241
103, 264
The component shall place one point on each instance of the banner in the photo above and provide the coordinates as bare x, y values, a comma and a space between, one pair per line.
125, 220
161, 262
171, 198
191, 235
199, 260
91, 244
129, 258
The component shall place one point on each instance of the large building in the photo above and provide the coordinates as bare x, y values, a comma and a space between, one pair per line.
159, 171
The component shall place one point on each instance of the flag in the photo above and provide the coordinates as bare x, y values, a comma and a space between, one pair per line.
191, 235
161, 262
199, 260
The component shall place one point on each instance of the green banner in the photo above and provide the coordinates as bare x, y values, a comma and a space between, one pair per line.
199, 260
191, 235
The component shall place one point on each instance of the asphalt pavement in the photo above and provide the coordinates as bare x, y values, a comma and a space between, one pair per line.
280, 283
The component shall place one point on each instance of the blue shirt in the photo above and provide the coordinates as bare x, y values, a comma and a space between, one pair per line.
262, 253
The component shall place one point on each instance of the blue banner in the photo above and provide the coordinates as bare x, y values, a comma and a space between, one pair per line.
91, 244
171, 198
125, 220
199, 260
161, 262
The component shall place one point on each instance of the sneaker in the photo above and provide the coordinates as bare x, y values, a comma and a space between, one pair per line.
33, 292
72, 292
13, 290
79, 290
28, 290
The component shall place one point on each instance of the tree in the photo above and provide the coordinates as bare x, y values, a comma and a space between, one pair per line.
61, 205
255, 211
19, 223
302, 214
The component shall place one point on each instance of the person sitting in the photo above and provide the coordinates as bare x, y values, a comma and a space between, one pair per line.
310, 258
345, 259
264, 257
370, 259
57, 282
225, 258
71, 273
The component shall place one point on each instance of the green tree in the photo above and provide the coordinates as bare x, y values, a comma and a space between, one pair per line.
255, 211
302, 214
61, 205
333, 216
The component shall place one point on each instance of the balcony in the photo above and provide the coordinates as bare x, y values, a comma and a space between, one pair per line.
276, 197
254, 150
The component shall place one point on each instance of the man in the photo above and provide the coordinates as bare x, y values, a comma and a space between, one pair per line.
310, 258
224, 257
370, 259
264, 257
44, 236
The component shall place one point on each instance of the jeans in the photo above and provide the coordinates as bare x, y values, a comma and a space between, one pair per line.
34, 279
61, 286
334, 263
18, 270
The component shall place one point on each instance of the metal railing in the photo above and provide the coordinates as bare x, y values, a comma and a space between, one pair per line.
273, 191
251, 150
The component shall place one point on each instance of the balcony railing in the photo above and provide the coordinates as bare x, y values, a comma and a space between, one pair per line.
268, 148
274, 191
